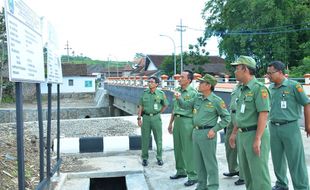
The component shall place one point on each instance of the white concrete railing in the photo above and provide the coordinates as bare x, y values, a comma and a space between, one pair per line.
224, 84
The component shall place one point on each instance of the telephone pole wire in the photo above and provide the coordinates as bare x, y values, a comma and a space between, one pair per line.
67, 48
181, 29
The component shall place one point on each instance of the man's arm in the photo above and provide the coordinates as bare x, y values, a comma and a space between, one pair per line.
170, 127
307, 119
261, 125
140, 111
232, 138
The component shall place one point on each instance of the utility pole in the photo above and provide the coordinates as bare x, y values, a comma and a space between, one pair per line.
68, 49
181, 28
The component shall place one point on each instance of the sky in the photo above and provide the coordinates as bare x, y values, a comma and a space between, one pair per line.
118, 29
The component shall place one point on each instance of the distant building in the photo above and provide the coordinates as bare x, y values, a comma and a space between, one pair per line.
216, 66
75, 80
150, 64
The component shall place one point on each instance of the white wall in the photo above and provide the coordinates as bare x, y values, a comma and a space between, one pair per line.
151, 67
80, 84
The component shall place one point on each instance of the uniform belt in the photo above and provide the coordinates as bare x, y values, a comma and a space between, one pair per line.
233, 111
151, 114
203, 127
246, 129
281, 123
178, 115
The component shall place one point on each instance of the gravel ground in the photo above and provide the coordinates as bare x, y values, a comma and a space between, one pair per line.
69, 128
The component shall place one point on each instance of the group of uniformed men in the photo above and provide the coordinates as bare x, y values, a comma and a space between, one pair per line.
194, 124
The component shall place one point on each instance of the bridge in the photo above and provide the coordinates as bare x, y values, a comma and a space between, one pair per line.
123, 93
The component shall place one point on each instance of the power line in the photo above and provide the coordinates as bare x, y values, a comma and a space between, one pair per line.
262, 30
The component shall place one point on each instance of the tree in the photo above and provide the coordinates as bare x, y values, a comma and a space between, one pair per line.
300, 71
3, 50
266, 30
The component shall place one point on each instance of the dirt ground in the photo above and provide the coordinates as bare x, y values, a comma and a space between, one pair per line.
8, 150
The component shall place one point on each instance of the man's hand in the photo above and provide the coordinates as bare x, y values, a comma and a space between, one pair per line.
139, 122
256, 146
232, 140
211, 134
307, 129
170, 128
177, 95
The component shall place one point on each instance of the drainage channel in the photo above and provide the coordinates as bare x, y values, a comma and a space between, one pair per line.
130, 180
111, 183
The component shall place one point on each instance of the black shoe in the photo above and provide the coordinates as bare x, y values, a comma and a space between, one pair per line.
177, 176
277, 187
239, 182
144, 163
190, 182
160, 162
231, 174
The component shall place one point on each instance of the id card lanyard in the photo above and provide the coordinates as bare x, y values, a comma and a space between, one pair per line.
283, 101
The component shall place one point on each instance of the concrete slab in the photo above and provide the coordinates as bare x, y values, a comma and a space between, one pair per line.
157, 177
80, 184
136, 182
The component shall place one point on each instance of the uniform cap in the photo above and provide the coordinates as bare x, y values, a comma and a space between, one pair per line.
209, 79
245, 60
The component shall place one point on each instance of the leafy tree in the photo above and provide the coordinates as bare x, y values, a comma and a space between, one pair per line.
300, 71
4, 59
267, 30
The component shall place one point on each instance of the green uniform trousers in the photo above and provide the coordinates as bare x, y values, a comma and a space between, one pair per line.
255, 169
205, 160
287, 148
232, 154
154, 124
183, 147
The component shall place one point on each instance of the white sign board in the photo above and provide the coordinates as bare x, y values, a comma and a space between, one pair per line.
25, 49
54, 70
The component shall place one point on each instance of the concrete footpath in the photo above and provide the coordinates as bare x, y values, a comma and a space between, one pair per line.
156, 177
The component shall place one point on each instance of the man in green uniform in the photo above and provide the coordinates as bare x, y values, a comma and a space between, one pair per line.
182, 131
287, 98
252, 107
152, 103
207, 109
231, 153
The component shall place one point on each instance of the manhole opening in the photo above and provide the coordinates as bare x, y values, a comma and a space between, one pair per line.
111, 183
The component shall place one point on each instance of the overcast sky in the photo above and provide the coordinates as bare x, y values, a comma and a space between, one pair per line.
117, 29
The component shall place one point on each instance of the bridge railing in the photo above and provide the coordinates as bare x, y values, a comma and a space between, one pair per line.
170, 84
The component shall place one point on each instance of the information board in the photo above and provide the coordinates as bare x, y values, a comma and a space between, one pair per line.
54, 70
24, 39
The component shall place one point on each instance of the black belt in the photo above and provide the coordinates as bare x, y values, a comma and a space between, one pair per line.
246, 129
281, 123
151, 114
233, 111
203, 127
178, 115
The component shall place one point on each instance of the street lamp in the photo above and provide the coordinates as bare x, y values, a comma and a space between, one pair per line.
174, 58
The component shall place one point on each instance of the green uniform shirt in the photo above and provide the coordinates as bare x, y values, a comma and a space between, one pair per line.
207, 110
153, 102
287, 100
187, 94
253, 98
233, 105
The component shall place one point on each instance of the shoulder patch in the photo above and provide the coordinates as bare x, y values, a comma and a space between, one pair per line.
223, 105
299, 88
264, 93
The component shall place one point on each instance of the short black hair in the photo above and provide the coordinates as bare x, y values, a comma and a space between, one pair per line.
190, 74
278, 65
155, 78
